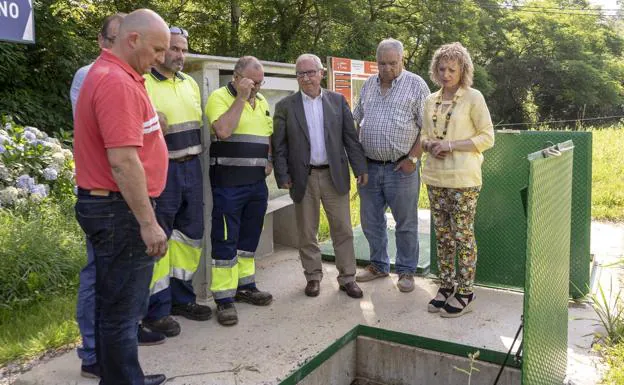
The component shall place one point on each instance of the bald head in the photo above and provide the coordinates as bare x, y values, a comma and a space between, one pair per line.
143, 21
143, 40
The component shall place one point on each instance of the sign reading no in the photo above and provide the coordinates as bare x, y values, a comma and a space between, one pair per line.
17, 21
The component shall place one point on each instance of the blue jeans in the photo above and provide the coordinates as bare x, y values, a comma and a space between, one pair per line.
179, 207
123, 274
85, 309
399, 191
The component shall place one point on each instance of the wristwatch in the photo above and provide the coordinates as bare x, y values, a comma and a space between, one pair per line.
413, 159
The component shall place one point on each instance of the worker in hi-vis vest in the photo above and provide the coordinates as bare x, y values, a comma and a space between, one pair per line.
180, 208
240, 160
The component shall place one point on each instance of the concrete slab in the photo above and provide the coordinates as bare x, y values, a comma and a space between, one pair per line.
271, 342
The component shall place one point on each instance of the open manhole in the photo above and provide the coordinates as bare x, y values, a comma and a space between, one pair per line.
372, 356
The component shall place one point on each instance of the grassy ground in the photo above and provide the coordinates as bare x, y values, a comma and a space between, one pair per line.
608, 174
615, 361
26, 332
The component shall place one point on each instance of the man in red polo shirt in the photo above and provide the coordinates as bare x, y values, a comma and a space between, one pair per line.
121, 164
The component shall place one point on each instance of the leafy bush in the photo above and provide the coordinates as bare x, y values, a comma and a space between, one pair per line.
41, 251
33, 166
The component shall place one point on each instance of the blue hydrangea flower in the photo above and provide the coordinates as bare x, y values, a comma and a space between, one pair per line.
50, 174
39, 189
25, 181
5, 139
30, 137
20, 147
2, 149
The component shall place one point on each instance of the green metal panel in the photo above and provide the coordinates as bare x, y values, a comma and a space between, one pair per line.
545, 336
500, 225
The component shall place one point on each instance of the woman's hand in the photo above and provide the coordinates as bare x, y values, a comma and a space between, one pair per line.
438, 148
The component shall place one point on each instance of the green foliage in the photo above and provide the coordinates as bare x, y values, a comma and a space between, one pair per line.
609, 308
615, 360
529, 65
33, 166
28, 331
42, 250
607, 175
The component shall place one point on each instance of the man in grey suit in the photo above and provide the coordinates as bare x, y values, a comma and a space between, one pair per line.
313, 139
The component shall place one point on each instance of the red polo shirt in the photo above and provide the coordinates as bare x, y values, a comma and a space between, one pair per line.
113, 111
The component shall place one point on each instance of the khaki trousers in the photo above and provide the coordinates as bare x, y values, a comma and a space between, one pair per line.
320, 188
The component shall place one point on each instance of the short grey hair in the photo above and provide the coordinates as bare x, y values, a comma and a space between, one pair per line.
309, 56
247, 61
390, 44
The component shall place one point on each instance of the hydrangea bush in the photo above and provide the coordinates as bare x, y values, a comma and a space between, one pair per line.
33, 166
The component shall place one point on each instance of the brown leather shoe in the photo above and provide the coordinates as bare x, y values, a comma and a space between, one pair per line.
313, 288
352, 289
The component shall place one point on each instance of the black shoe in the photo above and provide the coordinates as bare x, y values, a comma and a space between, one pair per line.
166, 325
154, 379
226, 314
254, 297
90, 371
147, 338
192, 311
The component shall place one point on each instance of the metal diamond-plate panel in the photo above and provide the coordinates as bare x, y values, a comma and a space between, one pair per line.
500, 225
545, 336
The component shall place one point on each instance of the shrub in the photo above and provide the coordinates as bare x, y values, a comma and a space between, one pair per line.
33, 166
41, 251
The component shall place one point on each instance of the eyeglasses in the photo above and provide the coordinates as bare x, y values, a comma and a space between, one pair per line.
179, 31
303, 74
256, 84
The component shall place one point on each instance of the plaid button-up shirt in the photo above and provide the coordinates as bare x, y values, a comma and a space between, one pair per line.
390, 123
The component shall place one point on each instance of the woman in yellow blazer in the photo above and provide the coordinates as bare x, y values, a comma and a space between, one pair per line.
457, 128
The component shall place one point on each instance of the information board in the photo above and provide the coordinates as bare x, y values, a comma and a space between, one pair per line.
347, 76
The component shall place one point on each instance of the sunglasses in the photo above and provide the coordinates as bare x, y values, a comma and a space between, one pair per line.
179, 31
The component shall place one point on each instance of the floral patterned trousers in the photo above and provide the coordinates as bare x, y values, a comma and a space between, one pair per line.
453, 211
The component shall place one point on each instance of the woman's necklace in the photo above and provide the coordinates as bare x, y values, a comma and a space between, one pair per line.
448, 116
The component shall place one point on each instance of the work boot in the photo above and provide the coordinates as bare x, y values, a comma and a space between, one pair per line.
166, 325
148, 338
192, 311
90, 371
226, 314
254, 296
370, 273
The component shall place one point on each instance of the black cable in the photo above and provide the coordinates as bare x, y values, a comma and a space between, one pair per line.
500, 372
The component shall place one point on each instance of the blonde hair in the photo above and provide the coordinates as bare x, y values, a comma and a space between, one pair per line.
453, 52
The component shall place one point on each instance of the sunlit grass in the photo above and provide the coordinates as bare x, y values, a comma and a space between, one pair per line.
29, 331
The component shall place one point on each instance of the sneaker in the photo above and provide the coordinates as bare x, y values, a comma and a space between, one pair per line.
440, 299
226, 314
369, 273
166, 325
254, 297
458, 305
90, 371
148, 338
406, 282
192, 311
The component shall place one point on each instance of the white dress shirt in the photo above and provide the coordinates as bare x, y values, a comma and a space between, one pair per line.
313, 108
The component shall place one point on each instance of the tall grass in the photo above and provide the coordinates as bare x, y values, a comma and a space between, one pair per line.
41, 252
26, 331
608, 173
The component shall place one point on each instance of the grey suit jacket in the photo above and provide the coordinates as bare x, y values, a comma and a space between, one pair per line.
291, 143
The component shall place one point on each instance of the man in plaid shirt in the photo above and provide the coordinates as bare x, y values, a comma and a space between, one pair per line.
389, 113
